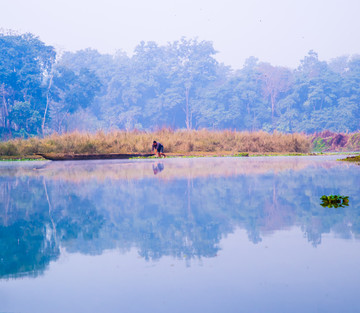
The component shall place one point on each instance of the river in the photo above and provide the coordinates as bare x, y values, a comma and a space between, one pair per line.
179, 235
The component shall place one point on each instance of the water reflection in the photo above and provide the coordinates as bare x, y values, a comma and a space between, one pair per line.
89, 207
159, 167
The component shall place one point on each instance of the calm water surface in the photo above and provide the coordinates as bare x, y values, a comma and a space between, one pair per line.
179, 235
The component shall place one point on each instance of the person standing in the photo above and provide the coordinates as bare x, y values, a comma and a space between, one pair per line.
159, 149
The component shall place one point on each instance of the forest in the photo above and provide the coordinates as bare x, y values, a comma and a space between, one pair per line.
179, 85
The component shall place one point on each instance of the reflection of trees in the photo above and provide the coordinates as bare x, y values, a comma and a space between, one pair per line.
183, 218
25, 249
31, 228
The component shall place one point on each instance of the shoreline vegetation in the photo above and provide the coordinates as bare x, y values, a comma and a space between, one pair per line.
194, 143
355, 159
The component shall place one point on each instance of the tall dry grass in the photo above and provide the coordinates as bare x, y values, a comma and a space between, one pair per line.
179, 141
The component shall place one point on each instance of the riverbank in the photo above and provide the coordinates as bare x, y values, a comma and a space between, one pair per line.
202, 155
195, 143
175, 142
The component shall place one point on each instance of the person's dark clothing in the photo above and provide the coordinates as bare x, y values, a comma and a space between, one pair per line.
159, 147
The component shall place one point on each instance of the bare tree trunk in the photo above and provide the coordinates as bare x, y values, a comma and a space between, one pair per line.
4, 110
6, 122
188, 113
253, 123
61, 122
272, 97
248, 104
191, 115
47, 104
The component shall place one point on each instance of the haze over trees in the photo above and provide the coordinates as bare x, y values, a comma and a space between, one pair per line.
178, 85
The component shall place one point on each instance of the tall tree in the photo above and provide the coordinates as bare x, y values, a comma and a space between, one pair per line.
193, 66
25, 62
70, 92
276, 80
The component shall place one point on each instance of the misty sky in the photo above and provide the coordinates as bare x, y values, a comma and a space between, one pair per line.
276, 31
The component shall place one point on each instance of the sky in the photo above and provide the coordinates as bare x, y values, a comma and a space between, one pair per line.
277, 31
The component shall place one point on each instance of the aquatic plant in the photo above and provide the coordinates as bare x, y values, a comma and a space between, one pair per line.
355, 159
334, 201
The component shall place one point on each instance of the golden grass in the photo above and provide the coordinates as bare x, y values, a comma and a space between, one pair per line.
179, 141
187, 169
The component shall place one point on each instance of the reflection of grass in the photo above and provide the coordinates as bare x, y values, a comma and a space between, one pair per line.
21, 158
81, 171
195, 154
334, 201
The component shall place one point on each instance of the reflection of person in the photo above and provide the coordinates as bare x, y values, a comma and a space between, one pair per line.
159, 149
158, 168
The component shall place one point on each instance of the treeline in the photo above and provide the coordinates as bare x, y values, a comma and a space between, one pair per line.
178, 85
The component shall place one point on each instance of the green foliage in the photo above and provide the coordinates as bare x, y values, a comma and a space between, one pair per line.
26, 119
352, 159
183, 86
75, 91
25, 62
243, 154
178, 85
329, 141
319, 145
